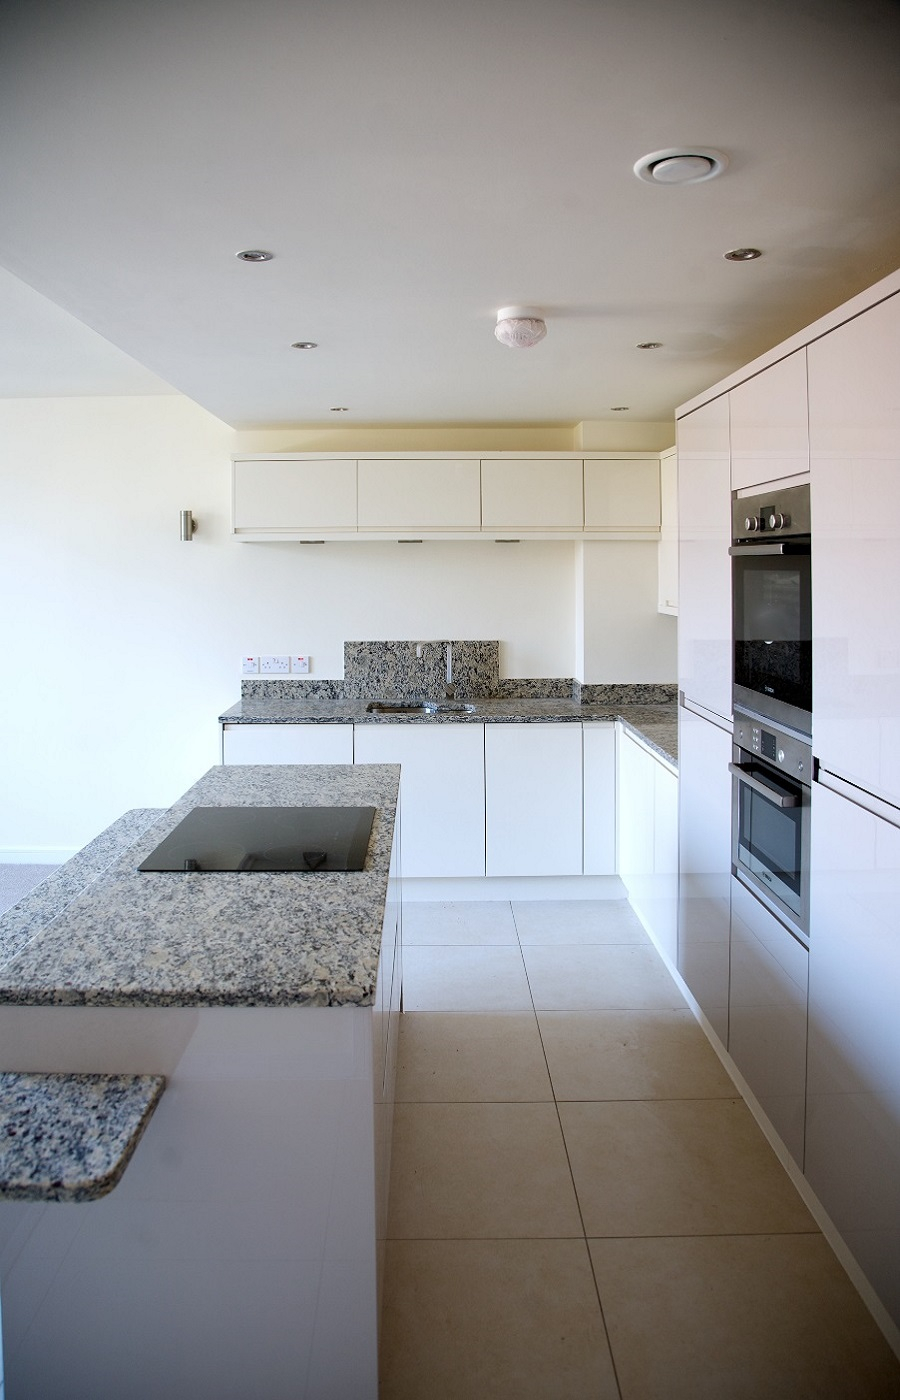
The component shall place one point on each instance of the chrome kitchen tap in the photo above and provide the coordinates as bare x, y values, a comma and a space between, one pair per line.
450, 686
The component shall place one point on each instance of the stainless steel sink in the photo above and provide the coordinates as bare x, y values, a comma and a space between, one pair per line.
419, 707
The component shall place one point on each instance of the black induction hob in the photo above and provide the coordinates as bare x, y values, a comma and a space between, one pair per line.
246, 839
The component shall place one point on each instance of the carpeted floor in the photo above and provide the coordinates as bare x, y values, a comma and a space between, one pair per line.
17, 880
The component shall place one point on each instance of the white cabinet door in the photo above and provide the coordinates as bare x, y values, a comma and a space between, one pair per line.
425, 494
532, 494
854, 424
767, 1014
853, 1090
442, 787
704, 860
287, 743
769, 434
533, 799
704, 567
599, 799
668, 534
621, 494
648, 824
312, 497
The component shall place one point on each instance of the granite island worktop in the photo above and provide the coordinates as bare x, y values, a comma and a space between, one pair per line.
133, 938
241, 1251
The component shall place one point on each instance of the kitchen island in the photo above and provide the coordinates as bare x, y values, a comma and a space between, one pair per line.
239, 1254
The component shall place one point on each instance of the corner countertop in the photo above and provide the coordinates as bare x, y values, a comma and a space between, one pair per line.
225, 939
656, 724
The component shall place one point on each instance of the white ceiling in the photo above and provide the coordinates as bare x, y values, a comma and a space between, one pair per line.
415, 165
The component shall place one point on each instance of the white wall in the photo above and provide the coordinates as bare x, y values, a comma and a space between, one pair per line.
620, 635
120, 644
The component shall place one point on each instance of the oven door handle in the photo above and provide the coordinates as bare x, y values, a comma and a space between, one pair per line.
784, 547
780, 799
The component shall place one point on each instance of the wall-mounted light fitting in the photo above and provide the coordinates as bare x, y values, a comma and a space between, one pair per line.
188, 525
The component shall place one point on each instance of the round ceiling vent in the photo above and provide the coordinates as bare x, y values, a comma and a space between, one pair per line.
680, 167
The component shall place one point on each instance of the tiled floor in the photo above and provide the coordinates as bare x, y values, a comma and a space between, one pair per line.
581, 1205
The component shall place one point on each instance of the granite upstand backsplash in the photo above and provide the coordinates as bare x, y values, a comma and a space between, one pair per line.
417, 670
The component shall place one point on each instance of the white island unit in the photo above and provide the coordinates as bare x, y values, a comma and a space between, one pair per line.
239, 1254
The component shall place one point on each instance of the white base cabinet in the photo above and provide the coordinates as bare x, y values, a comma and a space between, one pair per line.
599, 757
442, 791
647, 820
287, 743
533, 799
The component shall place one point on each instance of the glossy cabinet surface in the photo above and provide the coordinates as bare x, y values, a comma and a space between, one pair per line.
769, 435
306, 496
287, 743
767, 1014
704, 567
854, 416
599, 758
647, 820
704, 856
532, 493
622, 494
533, 799
442, 791
853, 1114
423, 493
667, 597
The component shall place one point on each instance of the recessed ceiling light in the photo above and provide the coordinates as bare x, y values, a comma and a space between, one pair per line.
621, 408
305, 345
649, 345
680, 167
254, 255
742, 254
339, 410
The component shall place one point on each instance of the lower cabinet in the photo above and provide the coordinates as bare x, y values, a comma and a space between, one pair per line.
287, 743
767, 1014
533, 799
704, 856
647, 821
442, 793
599, 741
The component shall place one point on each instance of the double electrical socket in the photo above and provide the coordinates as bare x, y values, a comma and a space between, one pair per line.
274, 665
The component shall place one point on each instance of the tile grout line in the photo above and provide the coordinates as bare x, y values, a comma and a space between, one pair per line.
609, 1346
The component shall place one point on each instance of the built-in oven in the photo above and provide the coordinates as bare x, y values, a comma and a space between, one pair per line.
772, 774
772, 606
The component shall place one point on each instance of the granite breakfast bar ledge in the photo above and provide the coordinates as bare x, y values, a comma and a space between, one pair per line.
240, 1252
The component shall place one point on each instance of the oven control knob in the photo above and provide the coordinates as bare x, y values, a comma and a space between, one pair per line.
751, 524
777, 521
781, 755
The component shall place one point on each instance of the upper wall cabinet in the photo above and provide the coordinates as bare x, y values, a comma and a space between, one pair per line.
667, 598
294, 498
419, 493
532, 494
622, 494
704, 568
769, 429
442, 495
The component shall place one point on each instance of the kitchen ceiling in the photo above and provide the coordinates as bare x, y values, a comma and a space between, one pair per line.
414, 165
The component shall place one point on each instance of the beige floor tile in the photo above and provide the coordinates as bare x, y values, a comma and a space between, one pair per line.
578, 921
631, 1055
468, 922
479, 1057
492, 1320
678, 1167
761, 1317
599, 978
479, 1171
442, 978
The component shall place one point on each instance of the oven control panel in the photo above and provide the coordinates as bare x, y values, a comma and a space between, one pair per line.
782, 750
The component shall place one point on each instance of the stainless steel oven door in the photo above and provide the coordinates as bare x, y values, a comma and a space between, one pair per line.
770, 827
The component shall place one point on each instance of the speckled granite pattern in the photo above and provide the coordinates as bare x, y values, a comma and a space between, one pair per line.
537, 688
393, 671
226, 939
24, 920
637, 694
663, 717
69, 1137
281, 688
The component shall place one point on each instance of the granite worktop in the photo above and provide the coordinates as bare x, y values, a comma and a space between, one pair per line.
655, 723
132, 938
